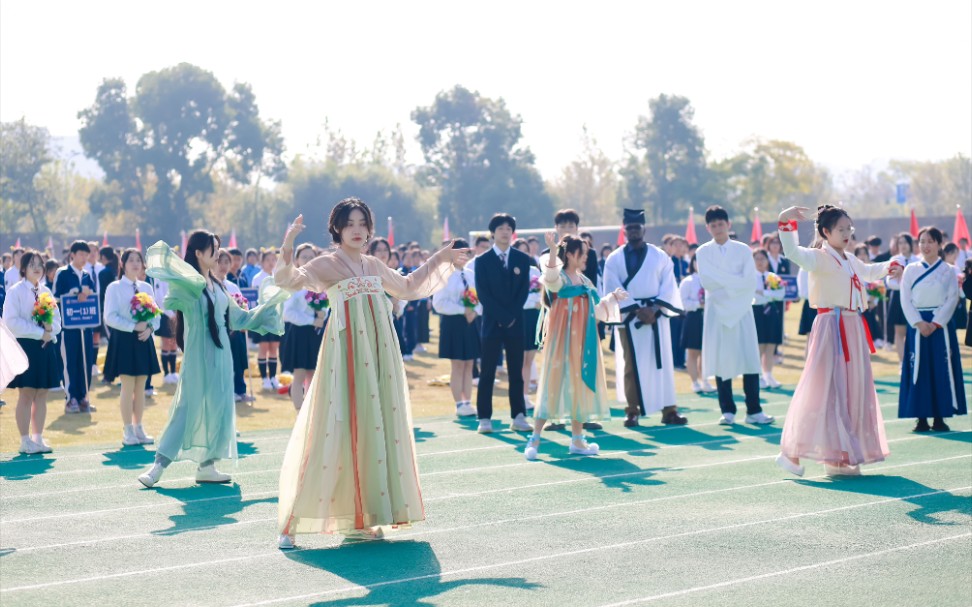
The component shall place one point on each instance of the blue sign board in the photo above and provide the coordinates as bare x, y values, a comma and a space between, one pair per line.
901, 192
251, 295
790, 283
77, 314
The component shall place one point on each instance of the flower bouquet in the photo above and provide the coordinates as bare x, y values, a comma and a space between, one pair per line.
144, 308
535, 284
241, 301
44, 309
773, 282
877, 290
469, 297
317, 301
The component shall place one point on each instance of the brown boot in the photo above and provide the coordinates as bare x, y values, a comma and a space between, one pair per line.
671, 417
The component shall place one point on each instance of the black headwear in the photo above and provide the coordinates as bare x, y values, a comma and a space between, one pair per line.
634, 216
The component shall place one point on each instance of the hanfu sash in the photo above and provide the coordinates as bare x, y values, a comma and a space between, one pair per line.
925, 312
589, 365
665, 309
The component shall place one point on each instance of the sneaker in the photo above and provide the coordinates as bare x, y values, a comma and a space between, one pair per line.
86, 407
408, 358
286, 542
708, 388
152, 476
532, 448
128, 436
72, 406
584, 448
29, 447
520, 424
727, 419
592, 426
275, 383
94, 371
760, 418
249, 398
787, 464
175, 378
143, 438
420, 349
150, 393
697, 387
762, 383
922, 426
940, 426
485, 426
465, 410
554, 427
209, 474
842, 470
266, 384
40, 442
772, 383
237, 398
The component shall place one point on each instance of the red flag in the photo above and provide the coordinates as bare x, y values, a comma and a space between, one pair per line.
391, 232
621, 238
757, 234
185, 241
232, 241
445, 230
104, 239
690, 229
17, 244
138, 239
961, 229
914, 224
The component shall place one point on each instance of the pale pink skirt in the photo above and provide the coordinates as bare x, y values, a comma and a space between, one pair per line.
834, 416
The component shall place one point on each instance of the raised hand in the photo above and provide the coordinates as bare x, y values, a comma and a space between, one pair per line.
797, 213
620, 294
287, 249
552, 240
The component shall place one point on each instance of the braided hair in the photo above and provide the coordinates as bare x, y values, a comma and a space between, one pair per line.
201, 240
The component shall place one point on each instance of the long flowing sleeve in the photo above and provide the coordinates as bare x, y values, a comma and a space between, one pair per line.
266, 317
804, 257
870, 272
421, 283
185, 283
716, 279
894, 283
552, 279
608, 309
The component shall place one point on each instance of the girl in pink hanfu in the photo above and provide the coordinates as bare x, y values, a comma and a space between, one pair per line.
350, 465
572, 387
834, 416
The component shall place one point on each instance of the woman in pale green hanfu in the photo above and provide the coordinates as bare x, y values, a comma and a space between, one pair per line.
350, 466
202, 420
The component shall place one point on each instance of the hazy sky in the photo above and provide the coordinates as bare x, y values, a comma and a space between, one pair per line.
852, 81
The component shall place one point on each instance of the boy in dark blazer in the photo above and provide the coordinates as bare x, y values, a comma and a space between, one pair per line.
77, 348
502, 284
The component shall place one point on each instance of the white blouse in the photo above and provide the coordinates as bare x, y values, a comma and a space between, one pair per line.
118, 304
18, 307
448, 301
161, 290
692, 292
258, 279
938, 291
766, 295
296, 311
533, 299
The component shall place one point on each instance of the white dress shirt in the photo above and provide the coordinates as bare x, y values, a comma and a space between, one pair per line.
296, 311
765, 295
19, 306
692, 293
448, 300
11, 277
118, 304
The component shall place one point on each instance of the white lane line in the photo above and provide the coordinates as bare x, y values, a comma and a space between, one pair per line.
755, 578
483, 567
640, 472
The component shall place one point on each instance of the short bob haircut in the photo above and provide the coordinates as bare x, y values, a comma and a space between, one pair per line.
934, 233
715, 213
567, 216
341, 217
502, 219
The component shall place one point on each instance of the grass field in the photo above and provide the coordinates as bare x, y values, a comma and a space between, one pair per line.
694, 515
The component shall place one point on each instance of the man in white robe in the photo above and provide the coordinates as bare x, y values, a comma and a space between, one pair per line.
729, 343
643, 341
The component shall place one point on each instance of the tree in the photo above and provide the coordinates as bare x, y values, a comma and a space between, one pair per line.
160, 148
666, 166
472, 154
24, 152
772, 175
589, 185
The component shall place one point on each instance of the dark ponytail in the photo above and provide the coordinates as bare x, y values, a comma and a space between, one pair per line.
568, 244
201, 240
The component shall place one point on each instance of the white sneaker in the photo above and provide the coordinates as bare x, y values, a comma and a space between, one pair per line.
152, 476
420, 349
274, 383
585, 448
762, 383
520, 424
266, 384
697, 387
708, 388
485, 426
787, 464
528, 405
532, 448
29, 447
465, 410
94, 371
210, 474
175, 378
727, 419
150, 393
248, 398
128, 436
40, 442
760, 418
772, 383
143, 438
286, 542
237, 398
408, 358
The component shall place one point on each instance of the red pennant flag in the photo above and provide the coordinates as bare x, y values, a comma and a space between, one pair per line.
446, 235
232, 241
914, 224
961, 229
138, 239
185, 241
757, 234
17, 244
391, 232
104, 239
621, 238
690, 229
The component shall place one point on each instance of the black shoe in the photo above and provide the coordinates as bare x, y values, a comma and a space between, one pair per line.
593, 426
672, 418
555, 427
922, 426
940, 426
631, 421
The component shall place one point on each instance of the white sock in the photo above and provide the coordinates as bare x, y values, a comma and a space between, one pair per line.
24, 439
36, 438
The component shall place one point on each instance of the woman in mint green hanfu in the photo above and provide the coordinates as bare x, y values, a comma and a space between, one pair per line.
202, 420
350, 465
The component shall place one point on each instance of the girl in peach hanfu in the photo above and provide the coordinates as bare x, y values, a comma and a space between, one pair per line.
834, 416
350, 465
572, 387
